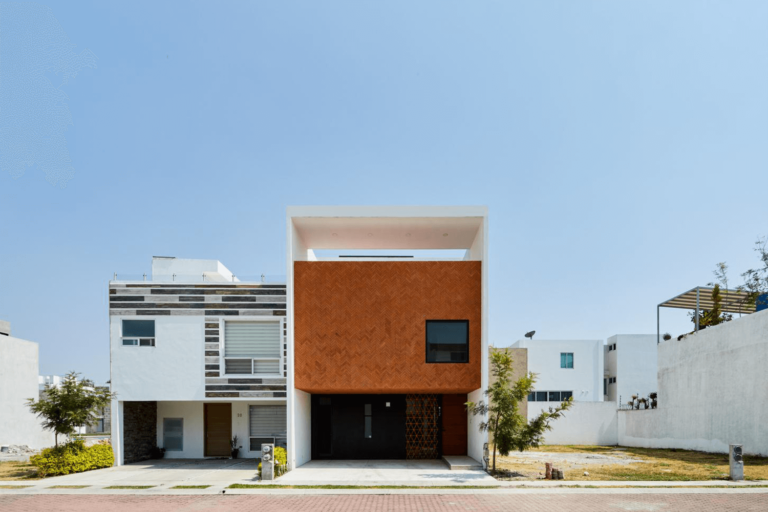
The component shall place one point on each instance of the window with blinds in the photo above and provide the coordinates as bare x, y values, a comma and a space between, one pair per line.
267, 425
252, 348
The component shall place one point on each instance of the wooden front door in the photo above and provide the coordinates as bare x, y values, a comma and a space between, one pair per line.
218, 430
454, 425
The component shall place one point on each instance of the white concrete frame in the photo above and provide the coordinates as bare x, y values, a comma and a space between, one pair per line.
380, 227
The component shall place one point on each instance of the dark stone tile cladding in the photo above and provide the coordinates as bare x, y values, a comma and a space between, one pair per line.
140, 426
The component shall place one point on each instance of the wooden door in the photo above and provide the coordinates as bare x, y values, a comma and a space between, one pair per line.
218, 430
454, 425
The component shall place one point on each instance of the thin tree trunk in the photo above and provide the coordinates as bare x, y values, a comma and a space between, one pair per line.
56, 438
495, 429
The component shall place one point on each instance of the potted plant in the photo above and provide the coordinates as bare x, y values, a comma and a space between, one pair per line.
156, 452
235, 447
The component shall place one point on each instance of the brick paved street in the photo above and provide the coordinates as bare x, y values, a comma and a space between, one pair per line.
549, 501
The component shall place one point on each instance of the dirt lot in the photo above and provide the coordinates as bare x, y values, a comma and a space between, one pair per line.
619, 463
17, 470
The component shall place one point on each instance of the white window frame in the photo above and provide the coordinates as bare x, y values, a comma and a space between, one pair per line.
138, 341
222, 349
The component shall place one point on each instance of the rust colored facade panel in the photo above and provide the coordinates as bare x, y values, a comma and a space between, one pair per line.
360, 326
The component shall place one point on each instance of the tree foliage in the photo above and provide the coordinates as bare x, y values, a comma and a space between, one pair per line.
72, 404
756, 280
509, 428
714, 316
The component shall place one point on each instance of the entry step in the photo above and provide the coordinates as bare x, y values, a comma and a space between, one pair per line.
461, 463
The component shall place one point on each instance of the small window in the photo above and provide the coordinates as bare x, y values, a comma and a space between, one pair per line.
532, 396
139, 333
447, 341
541, 396
368, 434
566, 360
554, 396
565, 395
173, 434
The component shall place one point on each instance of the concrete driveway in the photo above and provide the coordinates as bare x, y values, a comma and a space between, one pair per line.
384, 472
167, 472
219, 473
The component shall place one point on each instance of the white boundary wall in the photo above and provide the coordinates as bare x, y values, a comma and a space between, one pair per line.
18, 382
713, 387
585, 423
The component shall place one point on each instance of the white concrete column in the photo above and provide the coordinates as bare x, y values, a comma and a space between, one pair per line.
117, 432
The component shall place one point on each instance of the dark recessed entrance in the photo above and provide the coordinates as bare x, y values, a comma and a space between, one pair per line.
358, 427
387, 426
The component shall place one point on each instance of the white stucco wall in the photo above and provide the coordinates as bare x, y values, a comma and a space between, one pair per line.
475, 439
712, 385
303, 428
636, 365
194, 429
585, 379
18, 382
174, 369
586, 423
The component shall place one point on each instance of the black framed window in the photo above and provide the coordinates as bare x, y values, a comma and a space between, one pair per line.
541, 396
139, 333
447, 341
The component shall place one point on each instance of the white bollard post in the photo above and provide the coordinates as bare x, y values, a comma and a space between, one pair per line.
267, 462
736, 460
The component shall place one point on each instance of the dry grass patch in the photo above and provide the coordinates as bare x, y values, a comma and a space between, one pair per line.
627, 464
68, 486
17, 470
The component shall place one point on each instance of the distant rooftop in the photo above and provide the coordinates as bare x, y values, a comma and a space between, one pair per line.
167, 269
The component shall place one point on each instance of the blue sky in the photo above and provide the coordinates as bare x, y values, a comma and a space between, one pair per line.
621, 147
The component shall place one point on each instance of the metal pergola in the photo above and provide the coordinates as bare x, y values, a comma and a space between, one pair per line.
732, 301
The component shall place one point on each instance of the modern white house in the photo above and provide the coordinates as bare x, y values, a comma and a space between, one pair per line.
564, 368
595, 373
19, 367
387, 337
631, 366
196, 358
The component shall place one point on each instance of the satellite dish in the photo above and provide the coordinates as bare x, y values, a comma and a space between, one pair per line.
530, 334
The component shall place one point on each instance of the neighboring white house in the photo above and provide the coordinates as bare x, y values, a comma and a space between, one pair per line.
630, 366
197, 357
564, 368
49, 380
595, 373
18, 382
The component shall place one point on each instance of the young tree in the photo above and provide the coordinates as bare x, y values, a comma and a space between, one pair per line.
756, 280
509, 428
714, 316
73, 404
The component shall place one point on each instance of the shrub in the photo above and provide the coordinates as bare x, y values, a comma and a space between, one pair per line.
281, 461
73, 457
